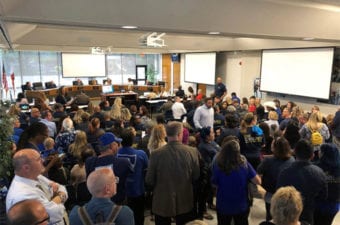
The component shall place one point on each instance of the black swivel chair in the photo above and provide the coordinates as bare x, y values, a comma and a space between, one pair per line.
37, 86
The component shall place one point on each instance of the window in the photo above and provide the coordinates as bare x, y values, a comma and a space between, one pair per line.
34, 66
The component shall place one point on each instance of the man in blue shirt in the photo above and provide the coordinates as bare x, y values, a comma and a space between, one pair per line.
102, 186
135, 182
220, 88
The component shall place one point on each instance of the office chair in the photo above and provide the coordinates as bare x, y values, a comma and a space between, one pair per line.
37, 86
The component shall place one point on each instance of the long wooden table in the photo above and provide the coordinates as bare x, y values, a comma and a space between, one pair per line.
93, 91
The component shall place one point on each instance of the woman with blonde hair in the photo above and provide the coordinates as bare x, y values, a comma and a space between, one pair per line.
15, 111
273, 122
118, 102
77, 116
79, 143
125, 114
310, 129
157, 138
286, 207
116, 112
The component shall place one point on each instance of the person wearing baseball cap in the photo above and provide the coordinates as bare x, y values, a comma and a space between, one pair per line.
108, 147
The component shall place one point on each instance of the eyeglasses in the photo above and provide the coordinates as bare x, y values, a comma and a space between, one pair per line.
47, 219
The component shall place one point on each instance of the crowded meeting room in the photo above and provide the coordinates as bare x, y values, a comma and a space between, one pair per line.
170, 112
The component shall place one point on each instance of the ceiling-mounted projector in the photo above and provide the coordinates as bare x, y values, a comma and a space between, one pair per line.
152, 40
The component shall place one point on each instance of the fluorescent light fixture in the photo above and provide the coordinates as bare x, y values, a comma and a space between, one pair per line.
308, 38
214, 32
129, 27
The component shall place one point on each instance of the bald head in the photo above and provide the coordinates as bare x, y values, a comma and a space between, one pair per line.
102, 183
27, 163
27, 212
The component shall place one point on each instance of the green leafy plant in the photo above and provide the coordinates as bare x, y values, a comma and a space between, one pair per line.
151, 73
6, 130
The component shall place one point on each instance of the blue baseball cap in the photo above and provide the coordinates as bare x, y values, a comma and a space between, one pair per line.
108, 138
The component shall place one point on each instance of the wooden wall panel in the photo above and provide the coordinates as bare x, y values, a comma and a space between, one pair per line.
166, 71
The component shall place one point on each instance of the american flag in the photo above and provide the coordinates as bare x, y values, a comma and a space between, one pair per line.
4, 78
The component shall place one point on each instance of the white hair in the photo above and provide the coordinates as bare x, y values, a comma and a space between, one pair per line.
67, 124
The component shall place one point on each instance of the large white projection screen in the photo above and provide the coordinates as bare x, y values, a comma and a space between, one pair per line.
200, 68
303, 72
83, 65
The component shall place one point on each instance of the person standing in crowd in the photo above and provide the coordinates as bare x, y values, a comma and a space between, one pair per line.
109, 145
102, 185
231, 173
336, 129
66, 136
135, 183
270, 168
29, 211
178, 109
234, 97
251, 139
35, 115
180, 92
204, 115
170, 175
286, 207
28, 183
315, 124
33, 136
47, 119
329, 162
157, 138
307, 178
220, 88
208, 149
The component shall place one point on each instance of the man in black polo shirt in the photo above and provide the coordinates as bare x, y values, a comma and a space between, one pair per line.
220, 88
307, 178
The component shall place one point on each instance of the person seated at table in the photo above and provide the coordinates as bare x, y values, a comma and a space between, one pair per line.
132, 81
163, 93
81, 99
108, 81
78, 82
151, 93
27, 86
21, 99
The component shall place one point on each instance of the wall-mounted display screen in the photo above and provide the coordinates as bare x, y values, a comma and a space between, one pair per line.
200, 68
303, 72
83, 65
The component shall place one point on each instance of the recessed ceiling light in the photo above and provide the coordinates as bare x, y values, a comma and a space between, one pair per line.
214, 32
129, 27
308, 38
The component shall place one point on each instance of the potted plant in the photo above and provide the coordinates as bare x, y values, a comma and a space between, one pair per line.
6, 168
151, 74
